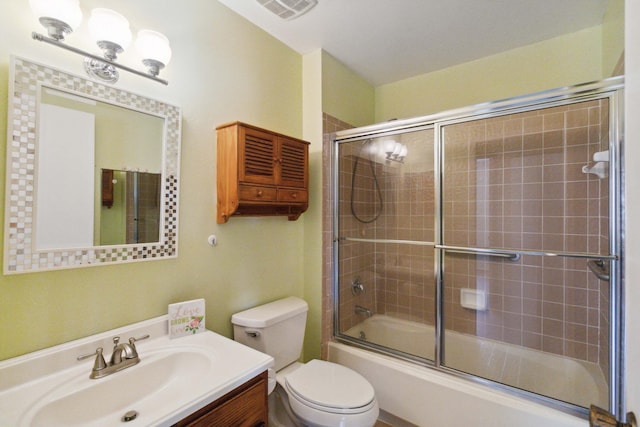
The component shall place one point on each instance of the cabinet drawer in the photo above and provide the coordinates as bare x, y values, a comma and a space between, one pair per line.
293, 195
257, 193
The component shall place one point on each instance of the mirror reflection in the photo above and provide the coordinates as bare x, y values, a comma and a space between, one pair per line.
130, 211
64, 131
98, 174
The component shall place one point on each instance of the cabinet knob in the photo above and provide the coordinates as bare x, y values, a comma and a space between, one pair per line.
294, 195
259, 193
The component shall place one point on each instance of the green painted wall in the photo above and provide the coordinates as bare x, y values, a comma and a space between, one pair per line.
110, 227
312, 253
561, 61
346, 95
223, 69
612, 36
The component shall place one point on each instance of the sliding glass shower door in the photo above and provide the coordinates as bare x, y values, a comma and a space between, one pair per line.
525, 212
386, 227
486, 242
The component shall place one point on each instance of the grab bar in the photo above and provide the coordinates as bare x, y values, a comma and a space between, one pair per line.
600, 268
511, 256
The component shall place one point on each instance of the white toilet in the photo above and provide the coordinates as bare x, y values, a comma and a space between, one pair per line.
313, 394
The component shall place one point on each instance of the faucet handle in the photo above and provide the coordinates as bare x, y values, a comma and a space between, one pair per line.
99, 363
132, 342
144, 337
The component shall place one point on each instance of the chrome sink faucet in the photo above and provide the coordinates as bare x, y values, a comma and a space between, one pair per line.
129, 351
117, 362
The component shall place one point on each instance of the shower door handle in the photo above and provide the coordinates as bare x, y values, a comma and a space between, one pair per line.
512, 256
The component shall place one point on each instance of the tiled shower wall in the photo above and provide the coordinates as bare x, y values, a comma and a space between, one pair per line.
513, 182
516, 182
405, 273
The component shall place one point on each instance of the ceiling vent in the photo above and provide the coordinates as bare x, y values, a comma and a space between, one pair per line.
288, 9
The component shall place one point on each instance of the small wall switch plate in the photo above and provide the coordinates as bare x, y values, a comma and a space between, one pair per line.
473, 299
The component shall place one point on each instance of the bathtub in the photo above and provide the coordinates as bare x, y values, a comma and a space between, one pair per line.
427, 397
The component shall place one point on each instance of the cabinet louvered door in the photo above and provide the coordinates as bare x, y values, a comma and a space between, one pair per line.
257, 157
293, 163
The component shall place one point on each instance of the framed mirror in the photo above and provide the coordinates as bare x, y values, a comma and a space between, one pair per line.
92, 173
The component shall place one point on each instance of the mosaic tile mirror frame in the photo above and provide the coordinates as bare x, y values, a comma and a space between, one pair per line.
20, 254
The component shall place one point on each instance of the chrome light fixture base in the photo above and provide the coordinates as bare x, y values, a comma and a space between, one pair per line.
110, 50
115, 65
111, 32
153, 66
101, 70
56, 28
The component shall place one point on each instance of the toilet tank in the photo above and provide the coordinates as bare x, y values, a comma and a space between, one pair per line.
276, 328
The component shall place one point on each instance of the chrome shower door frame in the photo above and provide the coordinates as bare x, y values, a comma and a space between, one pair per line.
612, 89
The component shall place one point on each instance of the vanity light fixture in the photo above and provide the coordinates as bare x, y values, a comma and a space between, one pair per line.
59, 17
154, 49
111, 33
395, 151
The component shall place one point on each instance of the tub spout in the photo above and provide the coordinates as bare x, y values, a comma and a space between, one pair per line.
362, 310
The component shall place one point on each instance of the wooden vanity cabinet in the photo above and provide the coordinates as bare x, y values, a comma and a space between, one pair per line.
260, 173
246, 406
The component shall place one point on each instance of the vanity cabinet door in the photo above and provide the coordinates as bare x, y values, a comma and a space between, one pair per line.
246, 406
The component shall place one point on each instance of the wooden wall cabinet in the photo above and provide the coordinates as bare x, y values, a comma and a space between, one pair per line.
260, 173
246, 406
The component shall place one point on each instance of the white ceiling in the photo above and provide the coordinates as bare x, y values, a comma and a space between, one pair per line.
390, 40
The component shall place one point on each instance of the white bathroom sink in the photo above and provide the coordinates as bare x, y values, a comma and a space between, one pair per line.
158, 379
173, 379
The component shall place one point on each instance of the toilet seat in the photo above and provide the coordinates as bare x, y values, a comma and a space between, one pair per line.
329, 387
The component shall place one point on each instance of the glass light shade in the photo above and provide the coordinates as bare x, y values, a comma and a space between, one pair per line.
403, 151
67, 11
389, 146
372, 149
109, 25
153, 45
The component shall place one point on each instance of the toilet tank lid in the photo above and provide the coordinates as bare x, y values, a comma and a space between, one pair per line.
268, 314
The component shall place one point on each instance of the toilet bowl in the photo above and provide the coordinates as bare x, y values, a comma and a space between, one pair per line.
322, 393
314, 394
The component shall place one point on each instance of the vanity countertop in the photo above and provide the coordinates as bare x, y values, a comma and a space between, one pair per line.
175, 377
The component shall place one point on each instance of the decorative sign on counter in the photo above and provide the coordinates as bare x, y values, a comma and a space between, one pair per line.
186, 318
